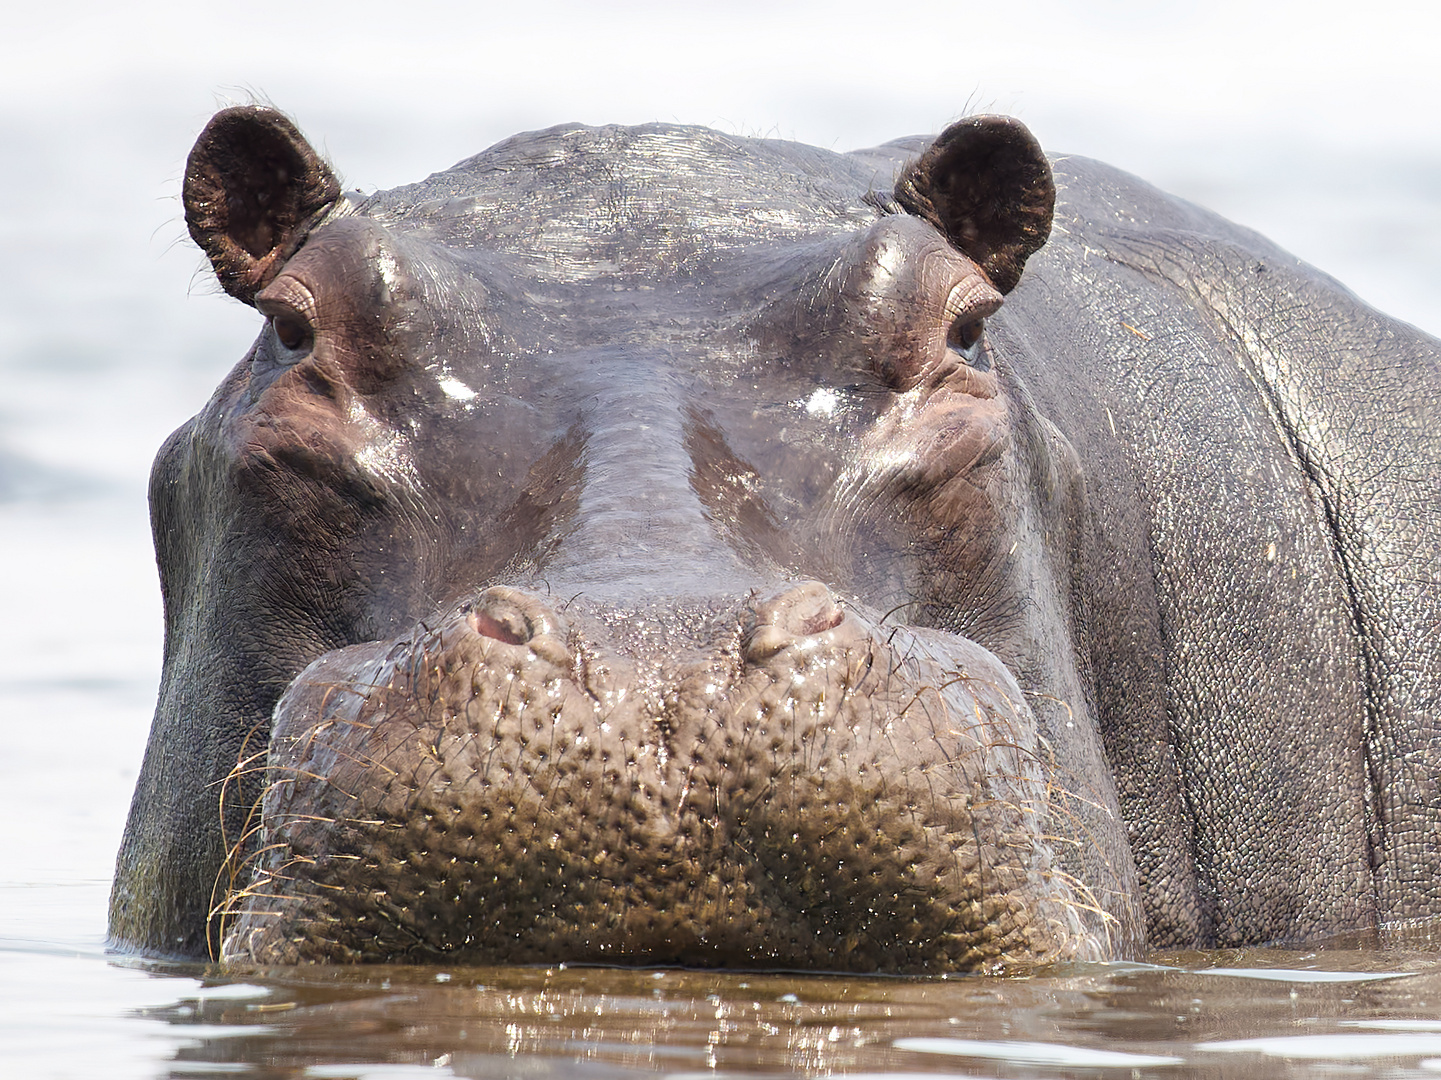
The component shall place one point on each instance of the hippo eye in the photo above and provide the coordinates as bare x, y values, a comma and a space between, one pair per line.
965, 337
293, 332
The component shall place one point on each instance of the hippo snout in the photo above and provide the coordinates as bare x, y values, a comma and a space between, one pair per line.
526, 782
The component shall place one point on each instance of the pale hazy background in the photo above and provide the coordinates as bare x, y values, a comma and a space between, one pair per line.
1312, 122
1316, 123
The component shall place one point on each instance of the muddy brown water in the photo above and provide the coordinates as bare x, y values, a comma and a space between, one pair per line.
1245, 1014
1189, 1018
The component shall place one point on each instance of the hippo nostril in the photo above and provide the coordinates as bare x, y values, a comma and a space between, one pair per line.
511, 631
516, 618
803, 610
821, 621
806, 608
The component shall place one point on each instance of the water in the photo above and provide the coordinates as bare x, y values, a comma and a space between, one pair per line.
1316, 128
1242, 1014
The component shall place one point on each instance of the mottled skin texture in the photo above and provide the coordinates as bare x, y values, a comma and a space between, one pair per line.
651, 546
770, 832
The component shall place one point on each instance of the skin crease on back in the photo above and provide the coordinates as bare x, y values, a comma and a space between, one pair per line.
652, 546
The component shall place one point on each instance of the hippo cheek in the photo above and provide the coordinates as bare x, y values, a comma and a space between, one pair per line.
337, 456
802, 791
962, 445
943, 469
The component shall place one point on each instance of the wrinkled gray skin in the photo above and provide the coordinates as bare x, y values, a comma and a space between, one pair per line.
628, 547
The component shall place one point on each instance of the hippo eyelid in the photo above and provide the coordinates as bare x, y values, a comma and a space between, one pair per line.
972, 298
290, 307
287, 294
970, 302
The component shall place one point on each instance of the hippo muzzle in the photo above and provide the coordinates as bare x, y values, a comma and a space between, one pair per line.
784, 786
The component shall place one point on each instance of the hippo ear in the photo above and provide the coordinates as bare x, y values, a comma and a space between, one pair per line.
986, 184
253, 187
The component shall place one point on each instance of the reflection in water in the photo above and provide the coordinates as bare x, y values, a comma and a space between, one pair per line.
1251, 1013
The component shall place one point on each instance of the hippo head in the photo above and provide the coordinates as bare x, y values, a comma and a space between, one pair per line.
630, 545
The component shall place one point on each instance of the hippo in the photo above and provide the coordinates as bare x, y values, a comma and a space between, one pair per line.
650, 546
